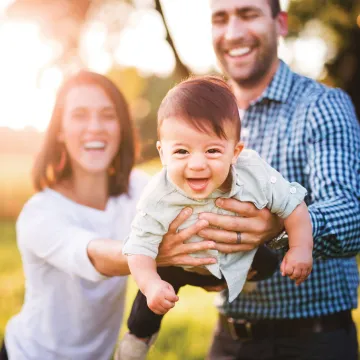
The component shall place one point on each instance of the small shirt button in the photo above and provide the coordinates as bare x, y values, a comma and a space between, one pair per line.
273, 179
142, 213
293, 190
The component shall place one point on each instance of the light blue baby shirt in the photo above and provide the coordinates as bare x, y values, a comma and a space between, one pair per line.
253, 180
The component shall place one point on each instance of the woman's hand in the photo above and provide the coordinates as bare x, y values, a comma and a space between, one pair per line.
255, 226
173, 250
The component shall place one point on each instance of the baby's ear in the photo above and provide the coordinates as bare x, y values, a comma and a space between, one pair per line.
159, 149
237, 150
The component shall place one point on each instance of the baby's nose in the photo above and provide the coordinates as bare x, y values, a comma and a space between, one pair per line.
197, 162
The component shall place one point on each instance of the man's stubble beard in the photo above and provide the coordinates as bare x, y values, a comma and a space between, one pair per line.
264, 63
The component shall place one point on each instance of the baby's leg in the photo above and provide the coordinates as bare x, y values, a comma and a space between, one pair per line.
142, 322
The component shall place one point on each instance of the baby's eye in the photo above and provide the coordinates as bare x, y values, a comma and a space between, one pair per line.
181, 152
213, 151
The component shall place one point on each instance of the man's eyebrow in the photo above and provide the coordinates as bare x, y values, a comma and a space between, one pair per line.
218, 13
246, 9
239, 11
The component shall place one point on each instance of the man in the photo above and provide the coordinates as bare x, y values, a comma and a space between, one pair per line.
310, 134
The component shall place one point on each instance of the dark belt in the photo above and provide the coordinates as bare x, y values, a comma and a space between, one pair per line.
255, 329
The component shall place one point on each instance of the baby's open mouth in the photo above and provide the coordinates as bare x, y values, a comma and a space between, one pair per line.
197, 184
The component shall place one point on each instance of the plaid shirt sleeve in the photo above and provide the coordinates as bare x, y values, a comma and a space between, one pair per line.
334, 157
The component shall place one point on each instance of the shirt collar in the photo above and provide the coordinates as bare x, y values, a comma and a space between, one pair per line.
237, 185
280, 85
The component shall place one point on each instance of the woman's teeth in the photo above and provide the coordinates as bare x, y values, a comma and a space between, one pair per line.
97, 145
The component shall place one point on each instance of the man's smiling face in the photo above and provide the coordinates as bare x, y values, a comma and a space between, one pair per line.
245, 35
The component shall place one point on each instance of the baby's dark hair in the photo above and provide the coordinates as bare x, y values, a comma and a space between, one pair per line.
204, 102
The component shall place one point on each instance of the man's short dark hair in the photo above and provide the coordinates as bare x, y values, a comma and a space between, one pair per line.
205, 102
275, 7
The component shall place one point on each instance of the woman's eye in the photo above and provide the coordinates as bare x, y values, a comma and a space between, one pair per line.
78, 116
213, 151
109, 116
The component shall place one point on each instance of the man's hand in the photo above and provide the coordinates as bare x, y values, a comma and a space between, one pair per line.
160, 296
173, 250
255, 226
297, 264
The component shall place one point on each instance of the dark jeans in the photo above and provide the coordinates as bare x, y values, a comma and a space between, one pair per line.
337, 344
144, 323
3, 353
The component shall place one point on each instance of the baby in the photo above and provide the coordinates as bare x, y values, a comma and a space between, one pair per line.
203, 158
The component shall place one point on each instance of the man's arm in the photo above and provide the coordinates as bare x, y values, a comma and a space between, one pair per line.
334, 181
334, 189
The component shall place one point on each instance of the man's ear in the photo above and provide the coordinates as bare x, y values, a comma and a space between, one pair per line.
282, 23
159, 149
237, 150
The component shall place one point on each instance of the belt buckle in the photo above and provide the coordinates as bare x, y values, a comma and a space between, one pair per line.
232, 330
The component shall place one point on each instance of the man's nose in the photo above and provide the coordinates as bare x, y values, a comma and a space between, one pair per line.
197, 162
235, 29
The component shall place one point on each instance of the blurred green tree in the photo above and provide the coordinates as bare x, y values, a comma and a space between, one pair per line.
338, 23
65, 20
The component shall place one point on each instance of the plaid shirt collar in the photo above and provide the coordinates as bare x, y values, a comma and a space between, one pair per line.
279, 87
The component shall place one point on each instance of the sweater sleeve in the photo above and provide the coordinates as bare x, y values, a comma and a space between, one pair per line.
51, 236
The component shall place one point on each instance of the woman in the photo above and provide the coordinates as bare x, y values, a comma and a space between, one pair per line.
70, 234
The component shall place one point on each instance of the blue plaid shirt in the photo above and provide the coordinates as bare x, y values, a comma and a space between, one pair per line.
310, 134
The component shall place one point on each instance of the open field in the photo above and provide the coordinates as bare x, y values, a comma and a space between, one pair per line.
16, 186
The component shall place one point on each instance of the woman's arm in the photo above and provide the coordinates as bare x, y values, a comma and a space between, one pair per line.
107, 258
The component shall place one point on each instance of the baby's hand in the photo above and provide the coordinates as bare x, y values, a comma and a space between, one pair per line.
297, 264
160, 297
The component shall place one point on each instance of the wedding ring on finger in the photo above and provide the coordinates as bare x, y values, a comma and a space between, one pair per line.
238, 237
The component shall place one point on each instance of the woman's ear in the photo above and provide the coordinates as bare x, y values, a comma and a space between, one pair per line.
60, 137
159, 149
237, 150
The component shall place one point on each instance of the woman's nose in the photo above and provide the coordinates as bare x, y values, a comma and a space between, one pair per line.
95, 123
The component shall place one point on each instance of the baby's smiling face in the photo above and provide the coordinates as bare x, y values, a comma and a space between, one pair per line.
197, 162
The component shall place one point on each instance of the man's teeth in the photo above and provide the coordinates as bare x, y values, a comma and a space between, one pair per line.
239, 51
94, 145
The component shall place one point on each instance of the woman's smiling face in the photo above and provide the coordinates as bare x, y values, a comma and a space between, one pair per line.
90, 129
